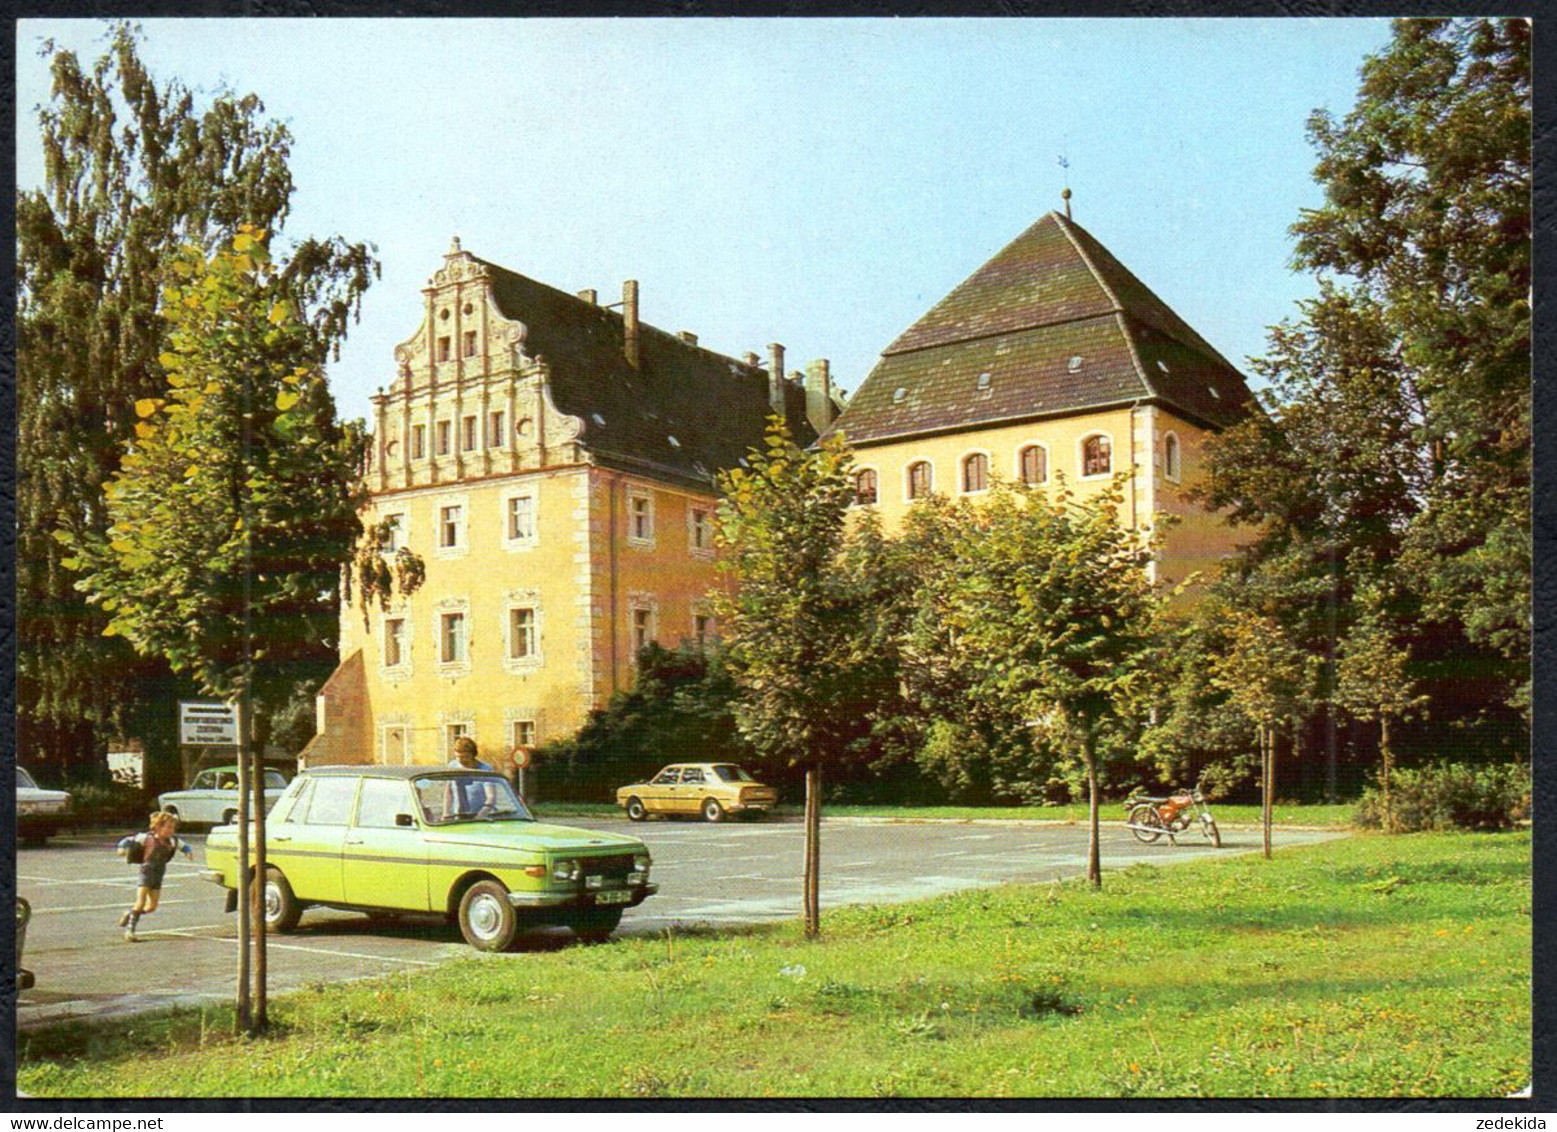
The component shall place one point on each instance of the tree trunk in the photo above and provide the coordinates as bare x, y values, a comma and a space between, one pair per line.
260, 1019
813, 851
1094, 853
1268, 747
241, 1019
1386, 759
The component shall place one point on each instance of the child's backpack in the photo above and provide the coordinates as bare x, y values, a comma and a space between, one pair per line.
135, 850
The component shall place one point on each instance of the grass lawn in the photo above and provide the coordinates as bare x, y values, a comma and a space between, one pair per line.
1284, 814
1364, 967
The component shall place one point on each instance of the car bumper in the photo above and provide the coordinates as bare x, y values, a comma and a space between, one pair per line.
215, 876
580, 899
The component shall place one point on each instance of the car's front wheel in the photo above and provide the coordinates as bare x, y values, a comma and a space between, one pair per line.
487, 920
636, 810
282, 907
229, 816
595, 925
712, 810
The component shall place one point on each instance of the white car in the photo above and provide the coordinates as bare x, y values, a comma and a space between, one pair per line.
212, 798
39, 812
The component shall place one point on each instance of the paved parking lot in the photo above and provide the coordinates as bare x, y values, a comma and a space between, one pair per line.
708, 875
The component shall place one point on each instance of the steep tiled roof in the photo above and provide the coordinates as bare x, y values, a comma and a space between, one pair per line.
683, 412
1052, 324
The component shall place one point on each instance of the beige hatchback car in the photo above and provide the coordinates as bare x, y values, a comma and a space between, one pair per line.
710, 789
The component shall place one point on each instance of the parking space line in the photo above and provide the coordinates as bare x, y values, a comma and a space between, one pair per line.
270, 943
105, 907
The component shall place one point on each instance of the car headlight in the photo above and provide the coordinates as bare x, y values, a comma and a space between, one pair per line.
565, 870
641, 862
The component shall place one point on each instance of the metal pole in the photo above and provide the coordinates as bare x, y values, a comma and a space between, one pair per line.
261, 995
241, 1019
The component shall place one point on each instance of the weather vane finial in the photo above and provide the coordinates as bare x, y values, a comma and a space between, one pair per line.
1065, 165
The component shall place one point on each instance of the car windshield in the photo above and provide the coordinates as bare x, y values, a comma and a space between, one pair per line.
274, 780
25, 780
447, 798
729, 773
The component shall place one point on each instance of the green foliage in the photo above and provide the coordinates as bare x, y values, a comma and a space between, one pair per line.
678, 710
134, 170
235, 504
809, 621
1449, 796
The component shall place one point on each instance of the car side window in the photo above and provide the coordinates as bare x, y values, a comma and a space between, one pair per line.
666, 777
692, 774
227, 782
331, 803
382, 799
203, 781
275, 780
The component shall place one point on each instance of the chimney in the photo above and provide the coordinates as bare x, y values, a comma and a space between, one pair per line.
749, 358
688, 337
590, 296
630, 321
776, 379
820, 410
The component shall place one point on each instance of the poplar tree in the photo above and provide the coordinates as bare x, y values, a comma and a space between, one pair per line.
133, 169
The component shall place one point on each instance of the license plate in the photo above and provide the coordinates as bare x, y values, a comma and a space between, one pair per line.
618, 897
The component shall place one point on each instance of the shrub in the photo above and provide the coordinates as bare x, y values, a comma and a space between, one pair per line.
110, 803
1450, 796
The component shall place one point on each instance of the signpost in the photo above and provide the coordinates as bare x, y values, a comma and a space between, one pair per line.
521, 757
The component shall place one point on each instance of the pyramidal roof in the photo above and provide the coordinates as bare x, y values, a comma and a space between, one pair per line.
1052, 325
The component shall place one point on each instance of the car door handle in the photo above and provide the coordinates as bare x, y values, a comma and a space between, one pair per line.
354, 841
281, 837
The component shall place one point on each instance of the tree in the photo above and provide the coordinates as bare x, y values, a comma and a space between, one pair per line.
234, 509
1373, 681
1044, 613
1427, 208
798, 624
133, 170
1268, 679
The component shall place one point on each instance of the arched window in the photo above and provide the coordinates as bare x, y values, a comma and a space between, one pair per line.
1170, 456
1034, 464
865, 487
1096, 456
919, 479
975, 472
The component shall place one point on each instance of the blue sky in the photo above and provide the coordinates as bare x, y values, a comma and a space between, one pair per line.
819, 183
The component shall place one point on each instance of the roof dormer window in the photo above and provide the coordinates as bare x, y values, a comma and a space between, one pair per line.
984, 380
899, 394
1074, 364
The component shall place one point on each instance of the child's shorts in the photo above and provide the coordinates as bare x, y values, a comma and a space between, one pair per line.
151, 875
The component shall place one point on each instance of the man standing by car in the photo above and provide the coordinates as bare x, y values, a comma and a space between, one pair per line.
469, 797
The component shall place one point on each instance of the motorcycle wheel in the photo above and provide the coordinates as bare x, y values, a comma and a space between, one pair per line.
1214, 833
1145, 815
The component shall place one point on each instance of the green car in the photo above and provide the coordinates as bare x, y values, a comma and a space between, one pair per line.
440, 840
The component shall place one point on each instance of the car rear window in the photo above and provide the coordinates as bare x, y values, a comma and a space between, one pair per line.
732, 774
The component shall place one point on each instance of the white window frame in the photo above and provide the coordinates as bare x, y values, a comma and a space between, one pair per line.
860, 470
531, 541
447, 721
1081, 455
962, 472
402, 527
696, 551
402, 669
461, 547
1172, 470
401, 723
641, 603
523, 599
524, 721
445, 608
633, 495
1016, 462
908, 479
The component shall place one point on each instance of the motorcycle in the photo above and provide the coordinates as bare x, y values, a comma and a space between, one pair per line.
1151, 818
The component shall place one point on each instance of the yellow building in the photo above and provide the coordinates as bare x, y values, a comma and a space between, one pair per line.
553, 462
1051, 358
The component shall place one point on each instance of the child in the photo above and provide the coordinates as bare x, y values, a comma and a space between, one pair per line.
158, 847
